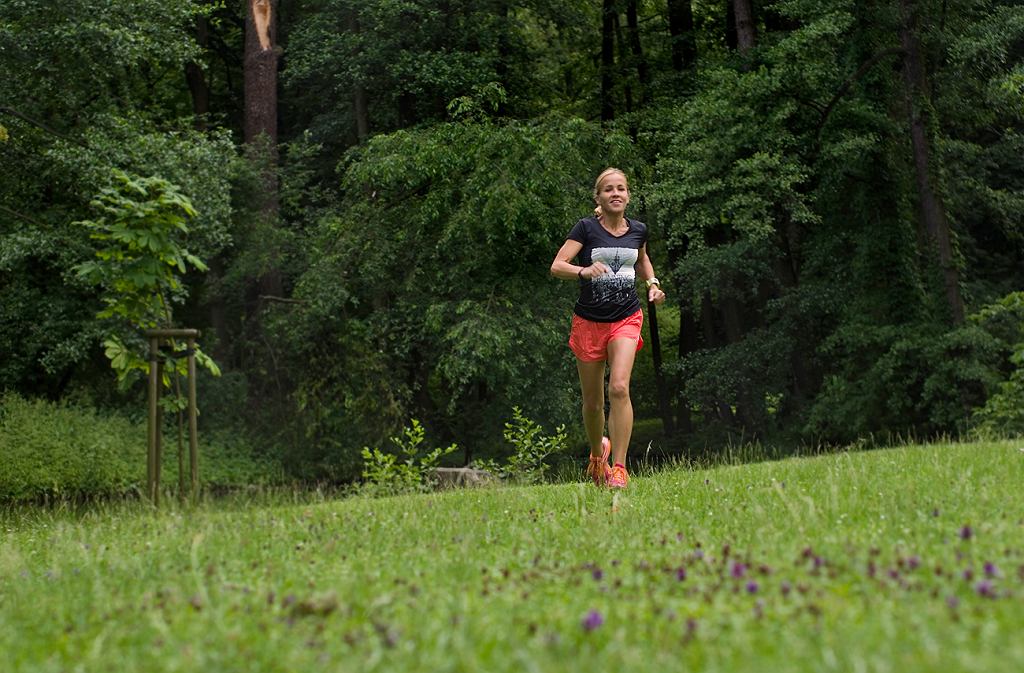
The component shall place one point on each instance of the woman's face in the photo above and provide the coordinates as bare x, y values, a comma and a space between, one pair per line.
613, 194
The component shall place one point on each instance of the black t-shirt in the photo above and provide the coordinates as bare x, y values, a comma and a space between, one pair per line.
611, 297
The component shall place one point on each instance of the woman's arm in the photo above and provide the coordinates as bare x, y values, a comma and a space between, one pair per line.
645, 272
563, 267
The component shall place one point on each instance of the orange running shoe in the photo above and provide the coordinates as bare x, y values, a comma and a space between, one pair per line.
618, 478
598, 469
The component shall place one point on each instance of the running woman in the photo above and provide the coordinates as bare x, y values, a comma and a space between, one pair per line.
612, 253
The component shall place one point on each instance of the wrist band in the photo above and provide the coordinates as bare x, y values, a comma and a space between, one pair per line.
580, 274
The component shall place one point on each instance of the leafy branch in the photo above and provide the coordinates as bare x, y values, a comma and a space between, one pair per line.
141, 225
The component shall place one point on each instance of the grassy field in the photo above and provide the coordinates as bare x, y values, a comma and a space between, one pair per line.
902, 560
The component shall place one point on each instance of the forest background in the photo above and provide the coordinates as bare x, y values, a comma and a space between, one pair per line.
357, 203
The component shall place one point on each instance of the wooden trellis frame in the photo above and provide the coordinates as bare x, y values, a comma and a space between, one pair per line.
153, 459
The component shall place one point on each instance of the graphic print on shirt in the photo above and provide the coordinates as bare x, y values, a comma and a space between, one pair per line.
621, 280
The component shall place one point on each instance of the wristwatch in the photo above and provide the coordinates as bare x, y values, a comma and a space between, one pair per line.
653, 281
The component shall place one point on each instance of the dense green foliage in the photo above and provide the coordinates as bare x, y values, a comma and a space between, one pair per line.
797, 220
89, 87
428, 291
1003, 412
833, 223
902, 559
65, 452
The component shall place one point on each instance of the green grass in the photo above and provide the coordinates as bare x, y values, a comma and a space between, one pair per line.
502, 579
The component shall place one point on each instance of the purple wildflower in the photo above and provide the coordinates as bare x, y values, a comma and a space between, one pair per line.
597, 574
738, 570
786, 588
966, 533
991, 570
953, 602
593, 620
913, 562
680, 573
968, 574
752, 587
985, 588
698, 554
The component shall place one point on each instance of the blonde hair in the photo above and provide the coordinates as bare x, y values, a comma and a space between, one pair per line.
611, 170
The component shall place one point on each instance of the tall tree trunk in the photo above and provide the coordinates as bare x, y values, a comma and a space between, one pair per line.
502, 69
406, 109
608, 17
787, 270
711, 340
687, 344
746, 29
633, 31
684, 39
196, 80
621, 74
742, 16
664, 404
732, 321
932, 208
199, 89
261, 56
360, 105
260, 70
218, 312
730, 25
361, 109
688, 339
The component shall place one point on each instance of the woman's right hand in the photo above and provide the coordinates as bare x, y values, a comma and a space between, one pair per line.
595, 270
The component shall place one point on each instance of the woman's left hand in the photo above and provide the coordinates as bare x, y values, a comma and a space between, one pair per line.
655, 295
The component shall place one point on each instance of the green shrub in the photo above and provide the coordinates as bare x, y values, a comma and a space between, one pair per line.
408, 471
532, 448
1003, 413
910, 380
57, 450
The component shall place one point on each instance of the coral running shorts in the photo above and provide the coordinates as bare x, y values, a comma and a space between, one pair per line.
589, 339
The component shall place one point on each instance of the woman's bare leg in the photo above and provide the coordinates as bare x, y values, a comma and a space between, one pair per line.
592, 387
621, 354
